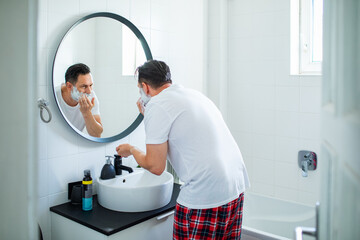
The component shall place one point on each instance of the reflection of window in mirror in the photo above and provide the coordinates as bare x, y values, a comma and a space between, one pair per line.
132, 54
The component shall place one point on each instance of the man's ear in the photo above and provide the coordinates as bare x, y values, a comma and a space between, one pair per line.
68, 85
146, 88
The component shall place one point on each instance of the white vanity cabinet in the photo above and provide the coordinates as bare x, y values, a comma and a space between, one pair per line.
159, 228
70, 222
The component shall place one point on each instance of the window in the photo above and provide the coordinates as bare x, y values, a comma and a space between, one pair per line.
306, 37
133, 54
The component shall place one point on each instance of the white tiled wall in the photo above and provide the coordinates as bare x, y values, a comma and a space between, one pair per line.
172, 37
271, 114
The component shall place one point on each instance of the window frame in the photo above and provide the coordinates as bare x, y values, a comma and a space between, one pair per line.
301, 39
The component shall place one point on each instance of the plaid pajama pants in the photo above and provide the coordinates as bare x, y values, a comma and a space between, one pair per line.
222, 222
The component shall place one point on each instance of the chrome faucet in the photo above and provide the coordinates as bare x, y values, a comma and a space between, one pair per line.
307, 160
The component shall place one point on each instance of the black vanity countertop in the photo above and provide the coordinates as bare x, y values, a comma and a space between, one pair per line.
107, 221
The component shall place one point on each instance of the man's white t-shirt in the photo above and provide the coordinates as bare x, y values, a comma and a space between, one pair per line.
73, 114
201, 148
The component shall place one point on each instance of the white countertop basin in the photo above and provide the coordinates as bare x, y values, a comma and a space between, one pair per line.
138, 191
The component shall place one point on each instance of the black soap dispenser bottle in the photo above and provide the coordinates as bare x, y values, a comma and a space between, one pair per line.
108, 170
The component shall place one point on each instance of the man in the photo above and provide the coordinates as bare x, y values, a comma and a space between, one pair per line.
187, 127
78, 101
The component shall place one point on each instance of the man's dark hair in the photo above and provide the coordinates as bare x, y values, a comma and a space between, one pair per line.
74, 71
155, 73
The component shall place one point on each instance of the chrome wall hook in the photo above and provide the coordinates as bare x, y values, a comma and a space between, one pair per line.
42, 104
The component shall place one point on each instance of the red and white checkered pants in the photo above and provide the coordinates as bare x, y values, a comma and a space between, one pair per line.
222, 222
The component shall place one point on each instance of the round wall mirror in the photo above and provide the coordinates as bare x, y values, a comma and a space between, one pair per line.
112, 47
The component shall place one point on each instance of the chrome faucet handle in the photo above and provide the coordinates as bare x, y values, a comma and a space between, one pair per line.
307, 161
304, 168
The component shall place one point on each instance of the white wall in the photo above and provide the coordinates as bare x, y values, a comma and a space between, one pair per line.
174, 38
271, 114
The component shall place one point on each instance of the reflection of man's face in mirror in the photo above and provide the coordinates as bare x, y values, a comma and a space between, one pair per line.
80, 104
84, 83
82, 87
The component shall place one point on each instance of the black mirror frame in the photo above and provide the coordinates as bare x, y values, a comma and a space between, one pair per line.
148, 55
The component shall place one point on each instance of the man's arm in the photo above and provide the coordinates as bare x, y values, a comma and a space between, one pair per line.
154, 160
92, 122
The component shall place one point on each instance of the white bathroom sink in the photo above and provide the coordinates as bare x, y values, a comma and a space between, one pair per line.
135, 192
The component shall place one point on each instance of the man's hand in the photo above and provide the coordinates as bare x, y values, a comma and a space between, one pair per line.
154, 160
140, 106
92, 122
124, 150
85, 104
